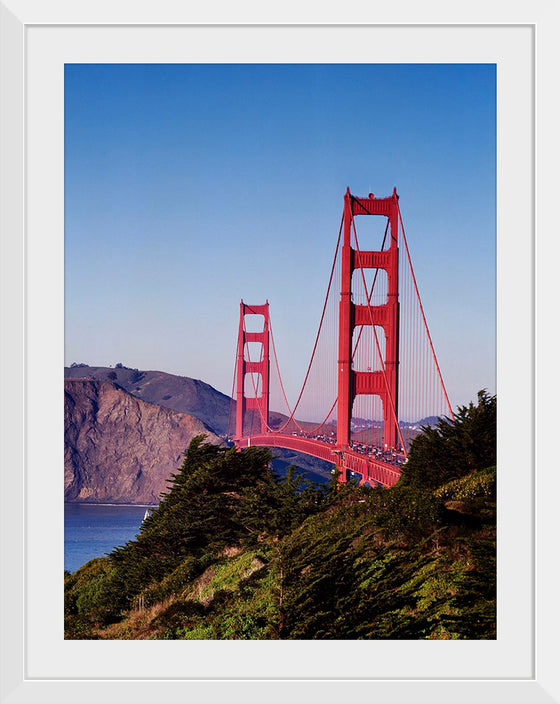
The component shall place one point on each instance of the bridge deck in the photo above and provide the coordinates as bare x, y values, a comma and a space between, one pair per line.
371, 470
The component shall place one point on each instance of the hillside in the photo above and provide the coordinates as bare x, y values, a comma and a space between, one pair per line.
180, 393
233, 552
118, 448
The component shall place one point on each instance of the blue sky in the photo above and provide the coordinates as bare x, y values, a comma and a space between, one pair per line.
189, 187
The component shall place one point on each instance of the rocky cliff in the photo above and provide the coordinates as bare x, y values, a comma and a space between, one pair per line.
119, 448
180, 393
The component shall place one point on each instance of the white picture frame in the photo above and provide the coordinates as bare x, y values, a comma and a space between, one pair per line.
37, 664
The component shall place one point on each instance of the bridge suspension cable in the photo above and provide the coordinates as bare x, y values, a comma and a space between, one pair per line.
291, 411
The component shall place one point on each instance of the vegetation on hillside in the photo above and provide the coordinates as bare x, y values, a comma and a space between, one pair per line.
235, 552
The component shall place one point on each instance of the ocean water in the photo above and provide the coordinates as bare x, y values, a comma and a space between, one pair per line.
93, 530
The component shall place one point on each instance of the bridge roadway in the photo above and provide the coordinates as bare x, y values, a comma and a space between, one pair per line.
371, 470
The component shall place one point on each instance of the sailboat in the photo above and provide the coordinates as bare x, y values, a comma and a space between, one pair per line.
147, 514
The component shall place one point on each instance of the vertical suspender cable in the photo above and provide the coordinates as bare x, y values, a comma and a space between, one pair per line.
423, 316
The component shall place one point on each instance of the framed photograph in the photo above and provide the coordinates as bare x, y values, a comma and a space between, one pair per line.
39, 41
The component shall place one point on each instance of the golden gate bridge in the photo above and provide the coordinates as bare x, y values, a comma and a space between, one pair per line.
373, 377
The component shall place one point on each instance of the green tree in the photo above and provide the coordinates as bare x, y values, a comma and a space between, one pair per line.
220, 498
453, 449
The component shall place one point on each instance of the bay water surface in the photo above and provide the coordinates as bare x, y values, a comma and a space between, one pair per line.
93, 530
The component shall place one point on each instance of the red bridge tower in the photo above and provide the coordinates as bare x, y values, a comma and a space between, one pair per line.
382, 383
246, 367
